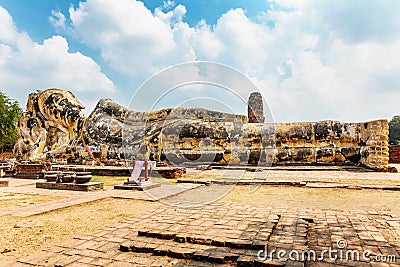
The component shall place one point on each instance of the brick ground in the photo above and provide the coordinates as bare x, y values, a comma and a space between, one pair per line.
228, 235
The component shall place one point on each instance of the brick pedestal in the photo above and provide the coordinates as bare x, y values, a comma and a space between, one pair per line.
91, 186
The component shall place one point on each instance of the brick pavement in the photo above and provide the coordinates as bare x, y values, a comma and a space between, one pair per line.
231, 235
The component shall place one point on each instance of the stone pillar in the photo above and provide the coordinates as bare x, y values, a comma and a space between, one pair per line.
255, 108
376, 134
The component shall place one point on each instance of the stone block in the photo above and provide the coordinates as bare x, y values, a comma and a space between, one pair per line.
144, 186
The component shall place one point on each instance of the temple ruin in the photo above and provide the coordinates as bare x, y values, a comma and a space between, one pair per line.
53, 126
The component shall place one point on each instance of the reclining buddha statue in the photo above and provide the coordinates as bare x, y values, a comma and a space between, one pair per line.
54, 126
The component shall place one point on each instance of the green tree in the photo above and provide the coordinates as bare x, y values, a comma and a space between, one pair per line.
394, 130
10, 113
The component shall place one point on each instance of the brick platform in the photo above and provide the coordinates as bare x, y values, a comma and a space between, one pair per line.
90, 186
230, 235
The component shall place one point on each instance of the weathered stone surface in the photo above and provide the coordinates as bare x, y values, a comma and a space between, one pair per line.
333, 142
53, 126
131, 134
52, 119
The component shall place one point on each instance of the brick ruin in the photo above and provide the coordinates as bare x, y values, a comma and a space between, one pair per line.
54, 126
394, 152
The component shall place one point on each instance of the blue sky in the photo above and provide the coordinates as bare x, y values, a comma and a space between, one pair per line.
311, 60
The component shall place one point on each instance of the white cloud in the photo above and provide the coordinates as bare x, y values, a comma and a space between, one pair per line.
359, 20
353, 21
316, 60
26, 65
57, 19
130, 38
168, 4
206, 43
7, 33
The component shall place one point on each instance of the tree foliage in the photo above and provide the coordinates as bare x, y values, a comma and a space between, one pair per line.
10, 113
394, 131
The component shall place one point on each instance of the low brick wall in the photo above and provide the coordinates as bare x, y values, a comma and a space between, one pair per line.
394, 154
31, 168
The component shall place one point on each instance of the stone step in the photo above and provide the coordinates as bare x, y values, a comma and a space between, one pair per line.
207, 240
216, 235
196, 252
